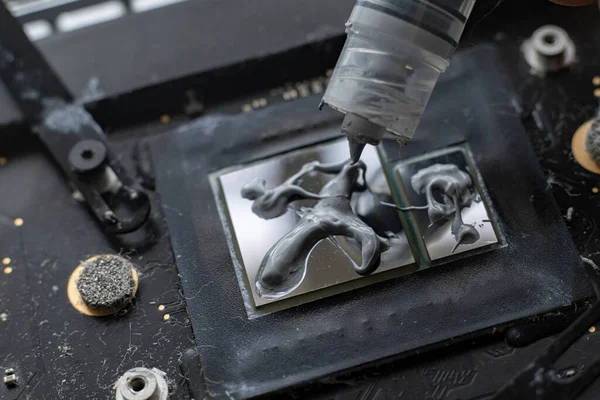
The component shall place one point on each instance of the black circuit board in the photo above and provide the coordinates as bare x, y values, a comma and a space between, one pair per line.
45, 233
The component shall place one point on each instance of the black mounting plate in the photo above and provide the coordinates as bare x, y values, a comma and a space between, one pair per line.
537, 272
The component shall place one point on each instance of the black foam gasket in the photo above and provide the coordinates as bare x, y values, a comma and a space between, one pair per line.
536, 272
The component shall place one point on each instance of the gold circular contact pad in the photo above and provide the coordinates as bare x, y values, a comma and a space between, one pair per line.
78, 303
579, 151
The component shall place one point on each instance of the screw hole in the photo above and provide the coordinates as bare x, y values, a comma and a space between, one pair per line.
87, 154
549, 38
137, 384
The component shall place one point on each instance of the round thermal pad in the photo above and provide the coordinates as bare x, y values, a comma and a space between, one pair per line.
102, 285
580, 148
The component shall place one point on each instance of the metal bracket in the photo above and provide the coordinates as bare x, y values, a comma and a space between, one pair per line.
69, 131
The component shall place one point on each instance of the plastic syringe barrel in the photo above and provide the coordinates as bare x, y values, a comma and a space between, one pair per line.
393, 56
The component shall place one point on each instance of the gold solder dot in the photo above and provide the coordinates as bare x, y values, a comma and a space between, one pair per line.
592, 329
161, 307
166, 317
8, 270
595, 190
165, 119
596, 80
18, 221
6, 260
3, 161
597, 92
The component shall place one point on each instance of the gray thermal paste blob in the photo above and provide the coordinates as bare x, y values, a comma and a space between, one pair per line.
106, 282
282, 267
456, 188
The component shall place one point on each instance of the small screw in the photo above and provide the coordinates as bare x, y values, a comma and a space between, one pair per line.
88, 156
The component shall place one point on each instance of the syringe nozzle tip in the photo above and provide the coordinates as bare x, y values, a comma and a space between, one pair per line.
356, 149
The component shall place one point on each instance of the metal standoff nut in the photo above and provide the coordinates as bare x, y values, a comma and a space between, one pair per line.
549, 49
142, 384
